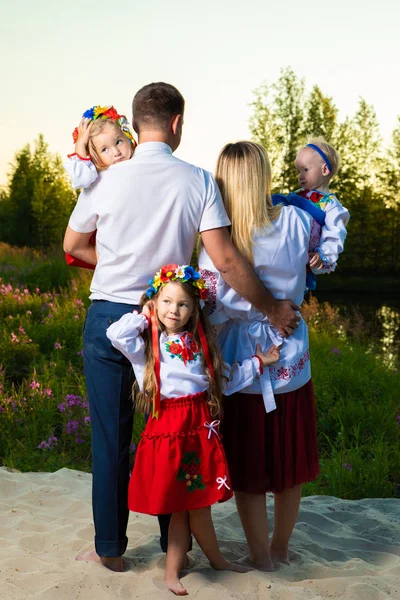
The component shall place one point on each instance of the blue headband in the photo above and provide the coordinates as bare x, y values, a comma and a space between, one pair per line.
322, 155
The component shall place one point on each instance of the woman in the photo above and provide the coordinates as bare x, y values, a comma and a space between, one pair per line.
269, 428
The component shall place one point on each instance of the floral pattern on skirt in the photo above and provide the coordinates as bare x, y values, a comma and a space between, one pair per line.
180, 462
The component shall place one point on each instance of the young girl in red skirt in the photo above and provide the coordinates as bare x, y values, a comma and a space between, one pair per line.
180, 466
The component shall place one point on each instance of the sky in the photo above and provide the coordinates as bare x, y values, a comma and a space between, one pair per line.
59, 58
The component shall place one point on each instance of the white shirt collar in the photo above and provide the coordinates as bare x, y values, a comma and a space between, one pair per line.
153, 147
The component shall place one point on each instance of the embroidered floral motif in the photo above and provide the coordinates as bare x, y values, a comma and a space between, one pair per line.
290, 371
189, 472
184, 347
315, 235
211, 281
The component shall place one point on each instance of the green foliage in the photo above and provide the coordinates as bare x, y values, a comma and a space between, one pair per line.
368, 183
44, 420
35, 209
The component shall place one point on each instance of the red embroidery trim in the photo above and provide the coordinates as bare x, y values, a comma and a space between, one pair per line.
79, 156
292, 370
260, 365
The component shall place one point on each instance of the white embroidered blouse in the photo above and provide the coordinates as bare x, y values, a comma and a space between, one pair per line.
280, 258
81, 171
181, 370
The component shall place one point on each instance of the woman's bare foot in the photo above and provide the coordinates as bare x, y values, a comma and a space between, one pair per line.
114, 563
188, 563
175, 586
280, 555
264, 564
225, 565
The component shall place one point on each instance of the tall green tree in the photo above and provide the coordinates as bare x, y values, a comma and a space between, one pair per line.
35, 209
320, 116
277, 124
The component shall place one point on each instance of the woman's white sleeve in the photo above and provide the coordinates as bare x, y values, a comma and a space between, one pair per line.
125, 336
240, 375
82, 172
333, 235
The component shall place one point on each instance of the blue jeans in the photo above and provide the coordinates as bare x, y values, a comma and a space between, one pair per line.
109, 379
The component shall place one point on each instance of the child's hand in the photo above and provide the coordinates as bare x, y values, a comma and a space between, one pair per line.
146, 310
315, 261
81, 145
269, 357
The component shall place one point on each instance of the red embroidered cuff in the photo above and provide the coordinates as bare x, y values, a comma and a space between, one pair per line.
79, 156
260, 365
147, 319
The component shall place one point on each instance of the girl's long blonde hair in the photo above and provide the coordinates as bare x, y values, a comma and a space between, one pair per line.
144, 398
243, 175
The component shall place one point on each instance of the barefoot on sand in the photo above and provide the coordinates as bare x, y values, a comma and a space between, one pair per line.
114, 563
236, 567
279, 555
265, 565
175, 586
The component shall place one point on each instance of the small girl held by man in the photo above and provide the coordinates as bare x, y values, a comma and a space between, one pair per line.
103, 138
180, 465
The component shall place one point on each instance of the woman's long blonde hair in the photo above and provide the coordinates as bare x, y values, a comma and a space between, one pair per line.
144, 398
243, 175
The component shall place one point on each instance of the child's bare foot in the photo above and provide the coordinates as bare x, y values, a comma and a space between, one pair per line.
280, 555
114, 563
175, 586
225, 565
264, 564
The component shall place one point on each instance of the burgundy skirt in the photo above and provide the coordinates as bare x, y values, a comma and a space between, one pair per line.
270, 452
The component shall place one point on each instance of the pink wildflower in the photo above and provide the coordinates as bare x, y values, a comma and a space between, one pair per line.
14, 338
57, 346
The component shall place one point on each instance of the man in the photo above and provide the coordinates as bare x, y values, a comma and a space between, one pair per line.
147, 212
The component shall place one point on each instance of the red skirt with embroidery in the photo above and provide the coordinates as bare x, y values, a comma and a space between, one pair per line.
180, 463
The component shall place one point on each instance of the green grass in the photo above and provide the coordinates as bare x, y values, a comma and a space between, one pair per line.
42, 388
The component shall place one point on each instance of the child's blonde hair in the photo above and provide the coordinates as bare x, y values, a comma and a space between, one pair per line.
243, 175
98, 127
144, 398
331, 154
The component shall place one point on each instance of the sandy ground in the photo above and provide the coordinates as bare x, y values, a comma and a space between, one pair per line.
342, 549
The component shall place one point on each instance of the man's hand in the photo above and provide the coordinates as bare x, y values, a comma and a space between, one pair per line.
82, 143
315, 261
284, 317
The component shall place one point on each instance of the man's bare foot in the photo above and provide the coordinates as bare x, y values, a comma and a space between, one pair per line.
265, 564
114, 563
175, 586
279, 555
225, 565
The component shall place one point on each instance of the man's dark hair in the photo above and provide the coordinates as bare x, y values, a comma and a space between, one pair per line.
155, 104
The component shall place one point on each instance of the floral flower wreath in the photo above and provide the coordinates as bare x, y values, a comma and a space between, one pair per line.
106, 112
183, 273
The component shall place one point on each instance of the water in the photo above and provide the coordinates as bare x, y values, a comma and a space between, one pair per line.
380, 312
